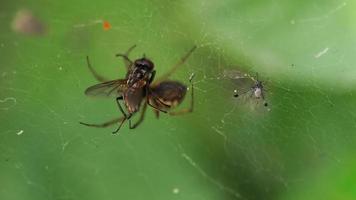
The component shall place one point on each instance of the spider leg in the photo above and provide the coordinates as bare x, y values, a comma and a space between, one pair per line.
130, 49
156, 113
126, 60
125, 56
120, 107
190, 109
142, 117
153, 74
176, 66
105, 124
148, 96
95, 74
122, 122
126, 117
154, 97
148, 93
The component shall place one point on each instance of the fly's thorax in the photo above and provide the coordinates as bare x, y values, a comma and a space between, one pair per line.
133, 98
141, 70
137, 75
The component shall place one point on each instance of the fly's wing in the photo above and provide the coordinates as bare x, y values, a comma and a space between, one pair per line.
113, 88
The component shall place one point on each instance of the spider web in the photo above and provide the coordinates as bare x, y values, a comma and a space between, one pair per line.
228, 148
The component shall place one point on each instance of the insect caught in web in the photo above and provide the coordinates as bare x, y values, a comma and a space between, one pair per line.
255, 88
139, 86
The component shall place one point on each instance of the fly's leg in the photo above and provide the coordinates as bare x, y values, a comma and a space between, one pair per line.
142, 117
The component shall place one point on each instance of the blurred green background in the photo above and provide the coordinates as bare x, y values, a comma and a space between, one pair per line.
301, 147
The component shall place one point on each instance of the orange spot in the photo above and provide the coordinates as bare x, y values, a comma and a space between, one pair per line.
106, 26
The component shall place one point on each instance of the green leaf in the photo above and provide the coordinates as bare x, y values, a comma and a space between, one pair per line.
299, 147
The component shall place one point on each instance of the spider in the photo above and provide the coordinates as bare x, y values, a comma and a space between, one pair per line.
162, 95
257, 90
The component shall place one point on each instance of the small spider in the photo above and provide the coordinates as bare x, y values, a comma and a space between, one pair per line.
257, 90
138, 86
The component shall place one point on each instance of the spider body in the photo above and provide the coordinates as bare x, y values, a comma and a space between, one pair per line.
169, 94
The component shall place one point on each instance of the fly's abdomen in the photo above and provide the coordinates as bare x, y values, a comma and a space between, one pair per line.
133, 98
